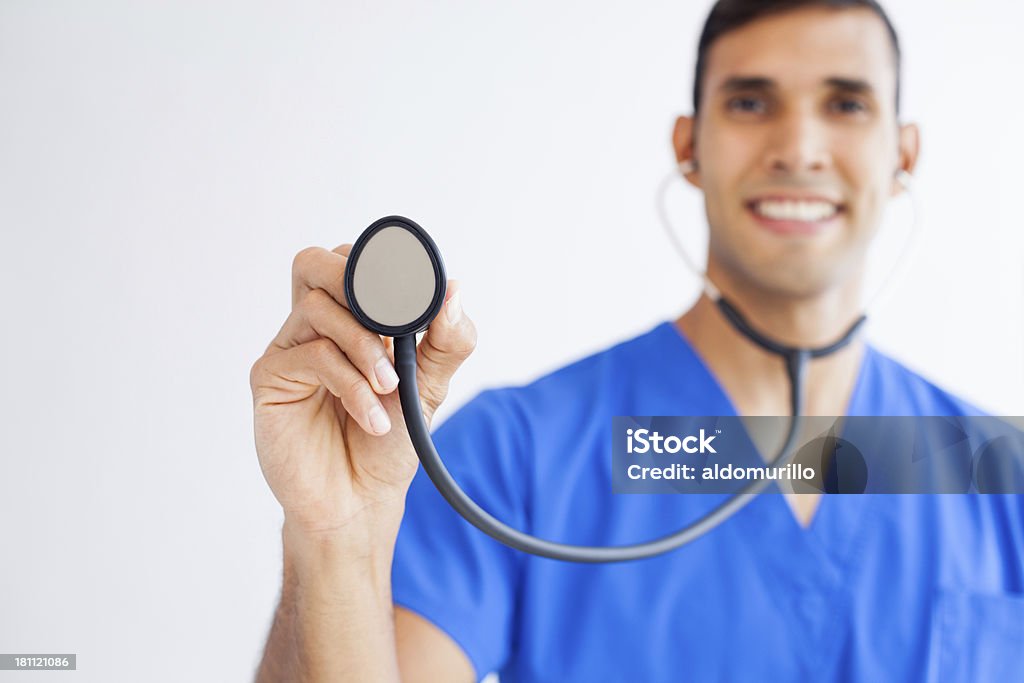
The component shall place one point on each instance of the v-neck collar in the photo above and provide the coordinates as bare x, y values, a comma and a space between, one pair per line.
822, 528
817, 564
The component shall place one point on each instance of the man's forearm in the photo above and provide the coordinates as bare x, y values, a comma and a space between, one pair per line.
335, 620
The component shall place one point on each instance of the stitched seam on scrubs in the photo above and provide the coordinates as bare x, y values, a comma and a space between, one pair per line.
519, 413
867, 366
850, 563
508, 402
946, 619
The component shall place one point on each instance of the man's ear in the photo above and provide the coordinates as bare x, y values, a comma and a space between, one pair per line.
909, 148
683, 144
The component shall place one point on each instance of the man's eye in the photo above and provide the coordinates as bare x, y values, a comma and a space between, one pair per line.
848, 105
746, 105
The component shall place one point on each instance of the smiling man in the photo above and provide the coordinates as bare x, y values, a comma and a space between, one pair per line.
796, 144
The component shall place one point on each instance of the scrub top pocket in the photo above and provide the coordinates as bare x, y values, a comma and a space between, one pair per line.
977, 637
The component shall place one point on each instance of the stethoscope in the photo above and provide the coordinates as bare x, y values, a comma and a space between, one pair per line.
395, 285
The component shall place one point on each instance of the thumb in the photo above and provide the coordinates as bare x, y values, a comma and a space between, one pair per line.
448, 342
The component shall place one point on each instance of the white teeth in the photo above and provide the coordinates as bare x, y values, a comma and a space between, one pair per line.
793, 210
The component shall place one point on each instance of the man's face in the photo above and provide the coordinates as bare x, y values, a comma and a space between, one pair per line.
797, 145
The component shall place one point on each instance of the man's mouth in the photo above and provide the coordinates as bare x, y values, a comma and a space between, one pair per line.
792, 215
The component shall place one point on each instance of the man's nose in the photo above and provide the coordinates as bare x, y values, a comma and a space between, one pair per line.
798, 143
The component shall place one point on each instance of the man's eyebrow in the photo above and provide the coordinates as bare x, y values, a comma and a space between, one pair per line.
737, 83
853, 85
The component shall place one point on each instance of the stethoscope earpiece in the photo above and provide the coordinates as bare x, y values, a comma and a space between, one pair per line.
904, 178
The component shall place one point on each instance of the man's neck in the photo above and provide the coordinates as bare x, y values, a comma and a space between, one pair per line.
754, 379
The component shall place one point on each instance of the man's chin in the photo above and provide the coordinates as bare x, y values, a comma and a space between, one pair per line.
793, 267
807, 283
794, 278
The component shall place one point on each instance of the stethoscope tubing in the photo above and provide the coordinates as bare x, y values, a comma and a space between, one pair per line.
405, 364
796, 362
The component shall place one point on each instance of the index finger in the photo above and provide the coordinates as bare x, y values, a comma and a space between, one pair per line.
318, 268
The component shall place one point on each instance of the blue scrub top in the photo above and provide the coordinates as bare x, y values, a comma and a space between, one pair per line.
878, 588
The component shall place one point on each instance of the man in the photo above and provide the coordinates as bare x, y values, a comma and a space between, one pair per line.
795, 143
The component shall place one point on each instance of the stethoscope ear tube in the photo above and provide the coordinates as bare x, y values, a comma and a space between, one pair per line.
405, 364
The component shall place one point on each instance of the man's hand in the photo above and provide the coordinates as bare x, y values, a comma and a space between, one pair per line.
330, 435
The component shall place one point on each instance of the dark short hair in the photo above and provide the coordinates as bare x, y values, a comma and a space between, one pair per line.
728, 15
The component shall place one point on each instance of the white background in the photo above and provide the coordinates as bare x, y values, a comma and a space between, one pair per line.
161, 162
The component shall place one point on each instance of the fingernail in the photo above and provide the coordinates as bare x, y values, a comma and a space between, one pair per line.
379, 420
453, 309
386, 374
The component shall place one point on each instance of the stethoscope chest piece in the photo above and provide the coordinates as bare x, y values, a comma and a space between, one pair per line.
394, 279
